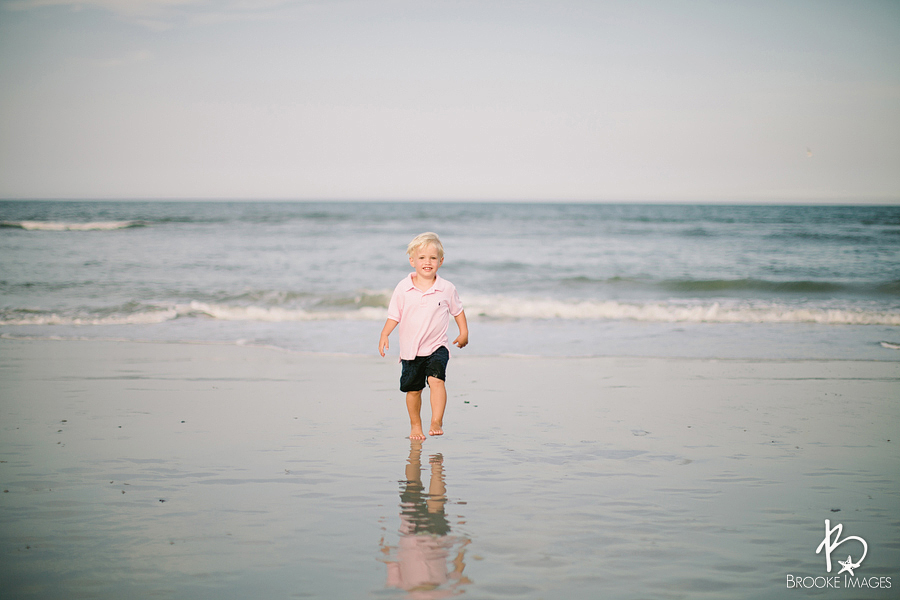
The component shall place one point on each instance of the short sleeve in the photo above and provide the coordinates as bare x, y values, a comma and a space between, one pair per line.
395, 307
456, 306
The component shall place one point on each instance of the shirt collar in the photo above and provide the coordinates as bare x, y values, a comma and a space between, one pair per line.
437, 287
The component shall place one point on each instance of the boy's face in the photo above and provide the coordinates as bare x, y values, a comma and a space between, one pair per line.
425, 261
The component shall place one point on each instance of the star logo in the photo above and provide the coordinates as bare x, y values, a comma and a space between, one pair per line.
833, 540
847, 565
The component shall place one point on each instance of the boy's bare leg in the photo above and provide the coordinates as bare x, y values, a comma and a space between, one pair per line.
414, 406
437, 490
438, 404
414, 464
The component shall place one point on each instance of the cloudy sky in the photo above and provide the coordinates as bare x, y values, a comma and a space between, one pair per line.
456, 99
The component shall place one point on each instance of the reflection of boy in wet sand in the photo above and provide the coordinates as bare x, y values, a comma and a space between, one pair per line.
422, 305
421, 564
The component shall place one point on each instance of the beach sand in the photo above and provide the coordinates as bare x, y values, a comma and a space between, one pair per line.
212, 471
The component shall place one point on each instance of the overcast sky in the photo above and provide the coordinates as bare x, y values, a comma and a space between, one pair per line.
419, 99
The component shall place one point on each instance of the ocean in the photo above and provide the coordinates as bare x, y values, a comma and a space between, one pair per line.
552, 279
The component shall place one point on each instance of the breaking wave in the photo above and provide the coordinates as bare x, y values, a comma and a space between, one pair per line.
667, 312
477, 307
71, 225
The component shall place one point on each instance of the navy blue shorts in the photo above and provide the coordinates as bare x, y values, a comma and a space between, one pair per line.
417, 371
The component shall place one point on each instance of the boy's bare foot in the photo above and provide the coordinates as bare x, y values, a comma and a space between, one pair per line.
417, 435
436, 430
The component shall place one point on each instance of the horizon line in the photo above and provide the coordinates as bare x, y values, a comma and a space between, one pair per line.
869, 201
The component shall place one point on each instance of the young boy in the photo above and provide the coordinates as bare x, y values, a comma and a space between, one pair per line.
422, 305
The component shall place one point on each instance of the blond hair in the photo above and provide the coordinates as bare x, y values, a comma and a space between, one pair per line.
424, 239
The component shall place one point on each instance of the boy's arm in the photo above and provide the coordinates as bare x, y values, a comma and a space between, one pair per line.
389, 326
463, 338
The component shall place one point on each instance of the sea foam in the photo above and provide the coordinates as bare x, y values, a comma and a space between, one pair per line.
662, 312
281, 315
135, 318
479, 307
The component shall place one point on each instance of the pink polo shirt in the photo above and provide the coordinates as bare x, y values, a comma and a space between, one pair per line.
424, 317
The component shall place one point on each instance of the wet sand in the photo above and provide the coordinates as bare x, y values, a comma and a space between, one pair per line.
206, 471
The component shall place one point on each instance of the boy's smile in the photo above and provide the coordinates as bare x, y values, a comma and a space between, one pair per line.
426, 262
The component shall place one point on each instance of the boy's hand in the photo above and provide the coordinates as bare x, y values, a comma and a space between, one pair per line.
383, 340
461, 340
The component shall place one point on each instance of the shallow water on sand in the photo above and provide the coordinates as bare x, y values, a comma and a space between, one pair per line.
199, 472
